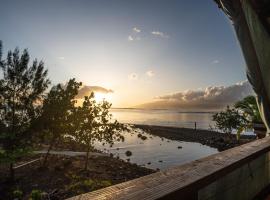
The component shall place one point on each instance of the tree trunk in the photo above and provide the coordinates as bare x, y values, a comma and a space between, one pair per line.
11, 173
48, 152
86, 158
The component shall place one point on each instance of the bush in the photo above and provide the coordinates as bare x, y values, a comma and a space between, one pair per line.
82, 186
105, 183
36, 195
228, 120
17, 194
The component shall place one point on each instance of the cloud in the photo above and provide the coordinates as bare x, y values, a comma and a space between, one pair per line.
150, 73
86, 90
133, 76
133, 38
130, 38
211, 98
137, 30
160, 34
215, 61
61, 58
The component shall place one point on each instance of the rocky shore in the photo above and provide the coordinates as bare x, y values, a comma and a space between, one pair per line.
65, 176
213, 139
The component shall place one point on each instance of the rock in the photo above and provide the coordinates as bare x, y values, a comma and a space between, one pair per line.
128, 153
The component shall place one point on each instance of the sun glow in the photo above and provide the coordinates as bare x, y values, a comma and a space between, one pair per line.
103, 96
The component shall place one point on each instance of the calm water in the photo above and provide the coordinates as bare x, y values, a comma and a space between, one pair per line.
164, 118
156, 152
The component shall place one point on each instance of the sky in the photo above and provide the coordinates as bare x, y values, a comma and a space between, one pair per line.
133, 51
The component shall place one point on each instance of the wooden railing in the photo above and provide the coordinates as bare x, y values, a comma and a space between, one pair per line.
238, 173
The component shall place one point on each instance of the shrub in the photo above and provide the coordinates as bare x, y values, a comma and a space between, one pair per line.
228, 120
36, 195
17, 194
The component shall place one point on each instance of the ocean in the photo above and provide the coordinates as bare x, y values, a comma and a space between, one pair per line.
156, 152
164, 118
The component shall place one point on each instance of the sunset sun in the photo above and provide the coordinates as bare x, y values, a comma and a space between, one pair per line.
103, 96
142, 99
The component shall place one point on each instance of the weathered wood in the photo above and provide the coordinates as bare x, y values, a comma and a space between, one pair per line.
185, 180
27, 163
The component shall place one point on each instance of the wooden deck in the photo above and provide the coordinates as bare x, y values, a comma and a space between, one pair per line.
238, 173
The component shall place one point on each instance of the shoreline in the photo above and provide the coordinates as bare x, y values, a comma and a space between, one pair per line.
220, 141
65, 177
70, 179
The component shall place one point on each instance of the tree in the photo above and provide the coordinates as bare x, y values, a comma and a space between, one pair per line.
22, 88
92, 122
229, 119
249, 108
57, 109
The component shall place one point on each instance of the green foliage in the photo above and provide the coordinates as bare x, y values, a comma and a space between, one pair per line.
92, 122
241, 117
36, 195
17, 194
229, 119
22, 88
105, 183
58, 107
249, 108
86, 185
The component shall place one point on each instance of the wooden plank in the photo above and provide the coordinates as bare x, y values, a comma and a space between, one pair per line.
27, 163
182, 181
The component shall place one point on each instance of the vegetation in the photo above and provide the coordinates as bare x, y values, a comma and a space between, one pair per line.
242, 116
36, 195
92, 122
229, 119
29, 116
22, 89
57, 111
249, 108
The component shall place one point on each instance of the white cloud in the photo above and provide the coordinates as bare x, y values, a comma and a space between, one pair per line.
150, 73
160, 34
137, 30
133, 76
212, 97
133, 38
86, 90
61, 58
215, 61
130, 38
220, 93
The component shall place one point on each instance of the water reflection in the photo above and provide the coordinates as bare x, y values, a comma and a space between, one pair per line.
156, 152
